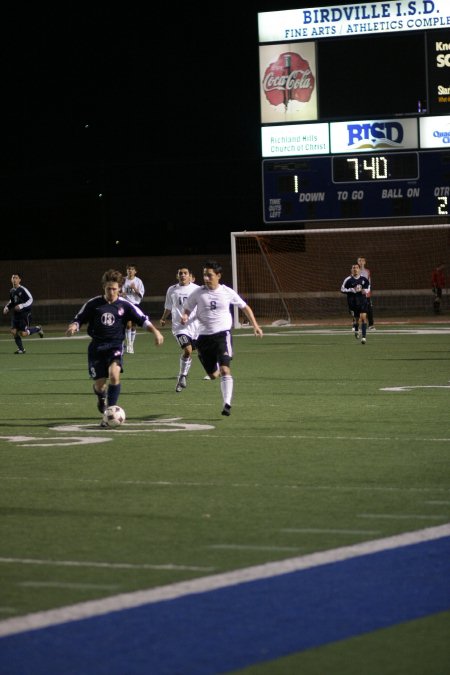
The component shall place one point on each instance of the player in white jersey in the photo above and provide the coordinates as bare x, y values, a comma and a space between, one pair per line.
133, 290
212, 302
185, 335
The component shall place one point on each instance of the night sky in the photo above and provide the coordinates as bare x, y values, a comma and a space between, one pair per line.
141, 126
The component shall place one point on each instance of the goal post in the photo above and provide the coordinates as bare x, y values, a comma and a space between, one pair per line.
295, 276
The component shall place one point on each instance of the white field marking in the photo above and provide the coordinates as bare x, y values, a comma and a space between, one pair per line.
401, 516
264, 486
416, 386
123, 566
160, 425
287, 437
249, 547
36, 442
437, 502
195, 427
66, 584
123, 601
344, 331
318, 530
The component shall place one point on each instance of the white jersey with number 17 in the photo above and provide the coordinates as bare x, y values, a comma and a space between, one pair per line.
175, 297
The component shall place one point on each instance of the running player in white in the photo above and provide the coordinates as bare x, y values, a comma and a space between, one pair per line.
185, 335
214, 345
133, 290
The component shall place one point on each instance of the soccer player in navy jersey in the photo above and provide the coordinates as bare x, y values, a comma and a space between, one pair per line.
106, 317
356, 288
20, 301
214, 344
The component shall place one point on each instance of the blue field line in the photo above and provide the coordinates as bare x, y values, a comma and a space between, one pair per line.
234, 627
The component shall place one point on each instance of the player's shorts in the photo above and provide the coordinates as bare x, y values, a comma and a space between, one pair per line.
215, 349
20, 321
358, 305
185, 340
100, 358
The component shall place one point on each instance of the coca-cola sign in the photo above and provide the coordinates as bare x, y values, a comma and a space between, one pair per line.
289, 78
288, 83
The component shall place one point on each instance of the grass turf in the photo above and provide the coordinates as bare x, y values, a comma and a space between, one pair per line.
315, 456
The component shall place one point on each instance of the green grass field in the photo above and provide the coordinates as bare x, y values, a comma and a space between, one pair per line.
316, 455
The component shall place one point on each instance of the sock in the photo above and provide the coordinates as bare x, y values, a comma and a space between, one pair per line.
185, 365
226, 387
132, 336
363, 328
113, 394
128, 336
18, 341
356, 327
33, 329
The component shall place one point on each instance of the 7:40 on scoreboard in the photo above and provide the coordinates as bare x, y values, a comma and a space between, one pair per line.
378, 185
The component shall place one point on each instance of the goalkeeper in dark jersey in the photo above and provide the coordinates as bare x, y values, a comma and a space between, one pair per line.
356, 288
20, 301
106, 317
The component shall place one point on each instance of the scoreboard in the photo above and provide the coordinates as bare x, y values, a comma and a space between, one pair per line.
377, 145
379, 185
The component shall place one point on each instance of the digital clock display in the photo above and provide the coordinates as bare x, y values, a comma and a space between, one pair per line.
377, 167
358, 186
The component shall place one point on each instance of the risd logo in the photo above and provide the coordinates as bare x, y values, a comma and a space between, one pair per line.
375, 135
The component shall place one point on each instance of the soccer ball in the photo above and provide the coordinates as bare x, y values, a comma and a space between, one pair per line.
114, 416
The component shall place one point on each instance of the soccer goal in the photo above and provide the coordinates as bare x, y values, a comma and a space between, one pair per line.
295, 276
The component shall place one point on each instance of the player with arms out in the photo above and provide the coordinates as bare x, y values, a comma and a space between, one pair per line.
184, 334
20, 301
133, 290
106, 317
356, 288
214, 344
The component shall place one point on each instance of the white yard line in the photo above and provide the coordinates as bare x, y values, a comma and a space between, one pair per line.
253, 547
123, 601
70, 585
401, 516
318, 530
105, 565
217, 484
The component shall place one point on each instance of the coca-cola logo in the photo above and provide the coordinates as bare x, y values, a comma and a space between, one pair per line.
289, 78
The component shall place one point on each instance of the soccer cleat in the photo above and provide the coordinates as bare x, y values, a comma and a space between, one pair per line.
226, 410
103, 425
357, 334
20, 351
40, 331
130, 349
101, 404
372, 328
181, 384
363, 341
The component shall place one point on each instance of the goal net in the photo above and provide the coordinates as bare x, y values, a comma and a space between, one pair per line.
295, 276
